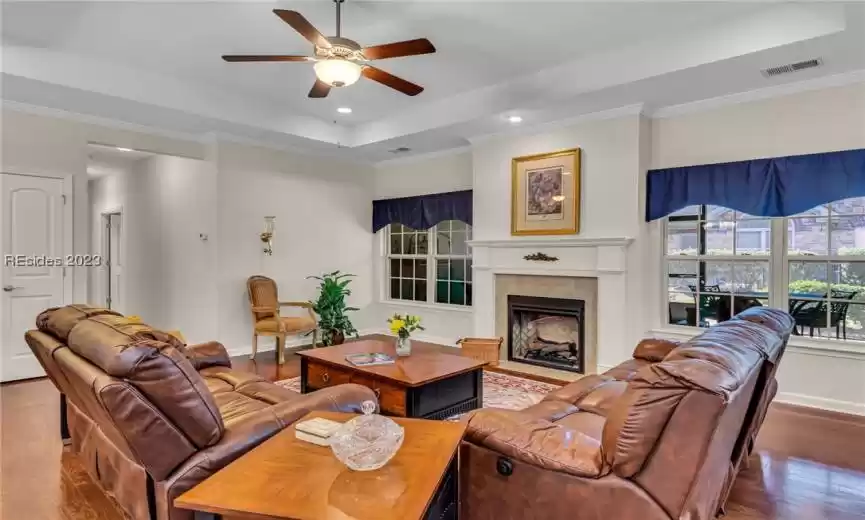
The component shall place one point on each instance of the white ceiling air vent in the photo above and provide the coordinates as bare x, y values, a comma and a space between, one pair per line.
792, 67
401, 149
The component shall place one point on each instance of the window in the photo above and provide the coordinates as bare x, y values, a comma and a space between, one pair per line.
720, 262
432, 266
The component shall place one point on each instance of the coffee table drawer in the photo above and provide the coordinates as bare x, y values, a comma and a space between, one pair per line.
391, 398
323, 376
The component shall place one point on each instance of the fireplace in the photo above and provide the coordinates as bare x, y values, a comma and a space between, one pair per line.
548, 332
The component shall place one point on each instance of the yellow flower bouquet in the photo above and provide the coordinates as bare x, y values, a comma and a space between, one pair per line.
403, 326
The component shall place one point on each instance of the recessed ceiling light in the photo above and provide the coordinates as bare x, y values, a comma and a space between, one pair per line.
125, 149
344, 110
515, 119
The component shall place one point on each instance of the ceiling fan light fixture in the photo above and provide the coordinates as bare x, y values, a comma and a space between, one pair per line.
337, 72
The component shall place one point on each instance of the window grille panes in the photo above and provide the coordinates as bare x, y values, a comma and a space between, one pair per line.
440, 254
720, 262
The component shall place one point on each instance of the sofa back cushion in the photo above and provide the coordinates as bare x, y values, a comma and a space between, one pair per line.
143, 357
692, 403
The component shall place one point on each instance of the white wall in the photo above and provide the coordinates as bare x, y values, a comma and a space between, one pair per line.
168, 272
414, 176
323, 216
438, 173
832, 119
187, 206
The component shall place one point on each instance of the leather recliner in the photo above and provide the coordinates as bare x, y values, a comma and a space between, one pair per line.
152, 417
659, 437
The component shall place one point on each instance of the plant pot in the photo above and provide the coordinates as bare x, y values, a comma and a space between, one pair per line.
338, 338
403, 346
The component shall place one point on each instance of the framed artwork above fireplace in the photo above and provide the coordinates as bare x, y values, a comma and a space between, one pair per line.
545, 192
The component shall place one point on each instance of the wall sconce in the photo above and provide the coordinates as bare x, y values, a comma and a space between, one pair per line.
266, 236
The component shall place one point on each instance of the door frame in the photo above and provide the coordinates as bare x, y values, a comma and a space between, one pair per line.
104, 270
68, 272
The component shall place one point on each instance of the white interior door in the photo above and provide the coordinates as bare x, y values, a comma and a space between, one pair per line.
31, 218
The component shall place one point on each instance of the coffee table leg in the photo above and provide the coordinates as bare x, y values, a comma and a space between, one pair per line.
479, 386
303, 375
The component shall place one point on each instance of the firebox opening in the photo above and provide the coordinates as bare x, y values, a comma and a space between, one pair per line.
548, 332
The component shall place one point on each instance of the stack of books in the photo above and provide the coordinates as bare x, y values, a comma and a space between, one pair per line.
317, 430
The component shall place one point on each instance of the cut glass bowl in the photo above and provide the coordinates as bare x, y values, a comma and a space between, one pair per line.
367, 442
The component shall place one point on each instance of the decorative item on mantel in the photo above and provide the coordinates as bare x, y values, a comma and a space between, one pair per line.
545, 193
266, 236
367, 442
541, 257
403, 326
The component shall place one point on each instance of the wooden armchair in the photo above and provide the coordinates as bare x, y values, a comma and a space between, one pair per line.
265, 305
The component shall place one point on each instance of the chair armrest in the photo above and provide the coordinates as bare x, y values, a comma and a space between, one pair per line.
210, 354
536, 441
248, 432
654, 349
305, 305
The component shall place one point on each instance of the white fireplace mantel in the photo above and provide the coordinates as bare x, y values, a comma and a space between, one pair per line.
604, 258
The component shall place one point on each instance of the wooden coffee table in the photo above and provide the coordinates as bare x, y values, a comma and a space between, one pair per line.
285, 478
430, 383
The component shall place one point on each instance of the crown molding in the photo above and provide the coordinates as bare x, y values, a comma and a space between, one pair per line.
424, 156
78, 117
835, 80
548, 126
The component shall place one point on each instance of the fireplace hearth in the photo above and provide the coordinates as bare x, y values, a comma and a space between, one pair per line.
548, 332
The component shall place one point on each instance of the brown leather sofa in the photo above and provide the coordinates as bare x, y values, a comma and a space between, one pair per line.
150, 416
659, 437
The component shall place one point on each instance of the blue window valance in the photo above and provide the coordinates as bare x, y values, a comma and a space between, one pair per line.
423, 212
776, 187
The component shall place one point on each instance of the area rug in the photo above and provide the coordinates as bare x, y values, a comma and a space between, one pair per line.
500, 390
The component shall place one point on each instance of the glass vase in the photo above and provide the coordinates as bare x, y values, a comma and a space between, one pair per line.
403, 346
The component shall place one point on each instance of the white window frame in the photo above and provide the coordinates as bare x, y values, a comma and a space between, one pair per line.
431, 257
779, 273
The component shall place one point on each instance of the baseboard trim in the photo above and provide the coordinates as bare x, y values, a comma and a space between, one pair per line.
822, 403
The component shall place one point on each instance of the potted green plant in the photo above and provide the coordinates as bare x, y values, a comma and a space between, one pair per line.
333, 321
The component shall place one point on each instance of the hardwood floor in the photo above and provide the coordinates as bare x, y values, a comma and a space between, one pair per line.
809, 464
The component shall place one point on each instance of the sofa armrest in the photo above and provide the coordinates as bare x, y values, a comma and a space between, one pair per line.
535, 441
654, 349
210, 354
245, 434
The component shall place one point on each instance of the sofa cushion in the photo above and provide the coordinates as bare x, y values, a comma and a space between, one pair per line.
59, 321
133, 352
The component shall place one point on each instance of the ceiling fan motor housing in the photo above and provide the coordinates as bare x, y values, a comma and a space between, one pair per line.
340, 48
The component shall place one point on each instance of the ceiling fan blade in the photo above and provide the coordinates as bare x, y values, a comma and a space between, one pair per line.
385, 78
302, 25
319, 90
264, 57
398, 49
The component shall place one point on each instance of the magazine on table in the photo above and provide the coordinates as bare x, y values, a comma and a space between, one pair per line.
369, 359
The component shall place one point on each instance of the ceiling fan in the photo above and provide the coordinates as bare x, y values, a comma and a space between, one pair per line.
339, 62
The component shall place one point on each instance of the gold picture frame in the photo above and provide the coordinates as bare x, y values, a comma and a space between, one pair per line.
545, 193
